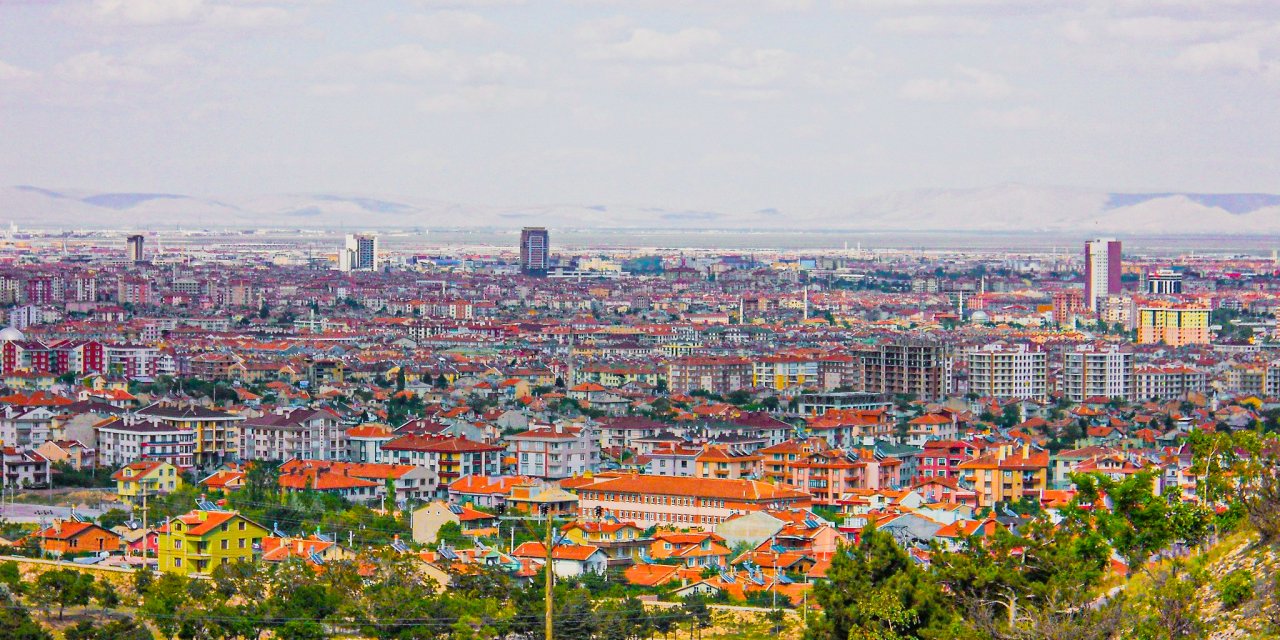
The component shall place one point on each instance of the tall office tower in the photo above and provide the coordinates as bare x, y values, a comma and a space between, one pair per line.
135, 248
535, 251
358, 253
1101, 270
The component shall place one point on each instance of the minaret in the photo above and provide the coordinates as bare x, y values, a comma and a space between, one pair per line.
806, 302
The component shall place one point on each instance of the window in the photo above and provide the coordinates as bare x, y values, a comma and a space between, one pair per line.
240, 525
177, 562
225, 544
177, 543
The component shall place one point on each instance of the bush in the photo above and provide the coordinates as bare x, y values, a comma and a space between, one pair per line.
1235, 588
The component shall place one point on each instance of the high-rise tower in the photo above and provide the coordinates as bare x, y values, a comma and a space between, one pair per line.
535, 251
1101, 270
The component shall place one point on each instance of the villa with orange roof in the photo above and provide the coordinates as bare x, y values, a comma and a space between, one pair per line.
70, 536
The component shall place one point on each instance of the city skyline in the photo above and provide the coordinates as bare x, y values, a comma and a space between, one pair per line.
791, 105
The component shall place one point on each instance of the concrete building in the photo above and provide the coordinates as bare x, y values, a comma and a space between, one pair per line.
535, 251
1007, 371
1101, 270
136, 248
714, 374
358, 253
556, 451
1162, 282
683, 502
920, 368
1174, 325
1097, 371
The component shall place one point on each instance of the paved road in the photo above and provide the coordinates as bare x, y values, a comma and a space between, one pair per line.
42, 513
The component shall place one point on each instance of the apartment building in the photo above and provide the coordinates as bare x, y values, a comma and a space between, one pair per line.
1008, 371
1152, 382
556, 451
919, 368
1174, 325
784, 372
293, 433
718, 374
1097, 371
124, 440
684, 502
217, 432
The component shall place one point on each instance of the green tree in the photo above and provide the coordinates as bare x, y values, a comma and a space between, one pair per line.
875, 590
16, 622
121, 629
1137, 523
63, 587
113, 518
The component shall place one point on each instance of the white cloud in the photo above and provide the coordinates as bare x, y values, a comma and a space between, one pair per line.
10, 72
1016, 118
648, 45
968, 84
414, 60
459, 4
1231, 56
192, 12
934, 26
449, 25
602, 29
483, 98
95, 66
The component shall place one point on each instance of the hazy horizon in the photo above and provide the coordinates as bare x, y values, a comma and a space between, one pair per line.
794, 105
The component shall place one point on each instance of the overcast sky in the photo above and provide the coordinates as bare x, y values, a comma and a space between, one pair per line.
720, 104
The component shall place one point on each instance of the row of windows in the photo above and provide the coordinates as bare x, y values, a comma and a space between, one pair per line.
678, 501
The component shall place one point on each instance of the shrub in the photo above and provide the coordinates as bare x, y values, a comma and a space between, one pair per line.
1235, 588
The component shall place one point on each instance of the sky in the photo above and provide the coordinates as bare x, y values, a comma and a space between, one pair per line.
712, 104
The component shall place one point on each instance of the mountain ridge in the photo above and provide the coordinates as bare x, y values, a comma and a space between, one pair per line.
999, 208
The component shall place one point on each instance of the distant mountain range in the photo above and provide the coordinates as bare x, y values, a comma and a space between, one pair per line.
1004, 208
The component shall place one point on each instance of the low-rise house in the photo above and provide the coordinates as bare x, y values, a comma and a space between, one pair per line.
567, 560
623, 542
22, 468
692, 549
139, 479
71, 452
427, 520
70, 536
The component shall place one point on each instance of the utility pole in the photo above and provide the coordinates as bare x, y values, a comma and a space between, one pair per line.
146, 537
546, 509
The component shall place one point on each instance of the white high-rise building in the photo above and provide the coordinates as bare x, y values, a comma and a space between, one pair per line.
358, 253
1008, 371
1097, 371
1101, 270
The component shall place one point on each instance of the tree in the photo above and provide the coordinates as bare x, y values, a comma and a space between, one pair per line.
113, 518
16, 622
1137, 523
1035, 584
121, 629
1168, 609
63, 587
11, 576
696, 610
875, 590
